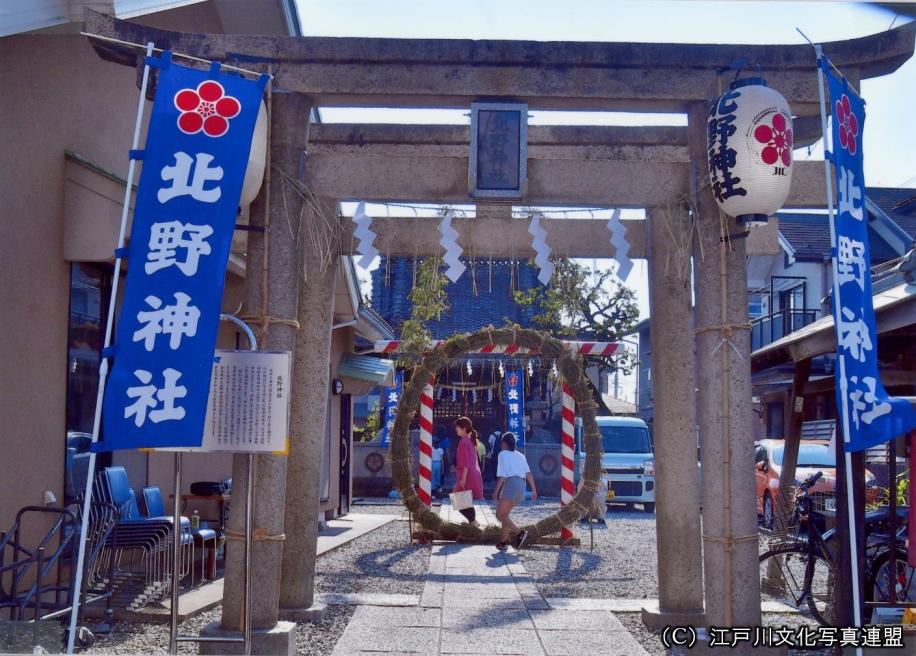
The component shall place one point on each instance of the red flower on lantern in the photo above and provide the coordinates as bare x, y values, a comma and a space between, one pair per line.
848, 124
207, 108
778, 140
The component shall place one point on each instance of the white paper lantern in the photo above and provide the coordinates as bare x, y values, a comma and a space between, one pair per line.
749, 144
257, 159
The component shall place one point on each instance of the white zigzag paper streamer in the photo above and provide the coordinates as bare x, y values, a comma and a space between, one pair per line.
621, 245
364, 234
541, 249
453, 251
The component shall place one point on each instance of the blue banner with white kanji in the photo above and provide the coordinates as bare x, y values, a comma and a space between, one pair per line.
194, 163
870, 416
515, 406
392, 398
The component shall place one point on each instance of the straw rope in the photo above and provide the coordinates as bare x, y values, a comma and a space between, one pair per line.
433, 362
257, 535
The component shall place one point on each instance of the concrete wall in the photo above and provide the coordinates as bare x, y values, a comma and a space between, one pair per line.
55, 94
341, 342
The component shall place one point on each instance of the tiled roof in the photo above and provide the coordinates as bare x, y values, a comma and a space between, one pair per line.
471, 307
618, 406
807, 234
809, 237
898, 204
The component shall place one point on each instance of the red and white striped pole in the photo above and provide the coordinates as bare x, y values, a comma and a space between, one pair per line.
579, 348
426, 444
567, 454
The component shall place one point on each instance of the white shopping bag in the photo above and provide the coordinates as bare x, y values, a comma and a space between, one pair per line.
462, 500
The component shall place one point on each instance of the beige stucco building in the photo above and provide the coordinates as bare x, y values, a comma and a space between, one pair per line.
68, 118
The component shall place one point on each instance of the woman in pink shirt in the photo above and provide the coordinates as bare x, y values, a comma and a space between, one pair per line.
467, 467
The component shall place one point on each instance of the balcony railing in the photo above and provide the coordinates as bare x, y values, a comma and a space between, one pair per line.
767, 329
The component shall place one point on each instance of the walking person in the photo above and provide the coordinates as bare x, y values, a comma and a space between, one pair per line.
511, 472
493, 448
481, 455
467, 468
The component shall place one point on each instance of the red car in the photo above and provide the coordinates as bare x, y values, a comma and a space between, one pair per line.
813, 456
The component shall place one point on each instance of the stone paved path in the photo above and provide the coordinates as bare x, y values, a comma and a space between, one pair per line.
477, 600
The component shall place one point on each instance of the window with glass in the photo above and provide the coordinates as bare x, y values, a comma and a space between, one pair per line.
90, 286
625, 439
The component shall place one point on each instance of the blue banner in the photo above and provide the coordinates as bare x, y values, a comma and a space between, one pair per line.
870, 416
392, 398
515, 405
197, 148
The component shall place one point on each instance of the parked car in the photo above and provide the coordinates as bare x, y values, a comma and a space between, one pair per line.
627, 464
813, 456
77, 464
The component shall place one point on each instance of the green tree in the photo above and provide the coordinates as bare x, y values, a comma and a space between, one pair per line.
580, 304
428, 301
373, 424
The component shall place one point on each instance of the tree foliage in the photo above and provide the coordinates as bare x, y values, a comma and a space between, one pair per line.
373, 424
580, 304
428, 301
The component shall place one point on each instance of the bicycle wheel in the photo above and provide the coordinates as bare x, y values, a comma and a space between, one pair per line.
877, 588
791, 576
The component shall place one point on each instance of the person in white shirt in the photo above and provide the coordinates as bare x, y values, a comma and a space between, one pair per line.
511, 471
438, 453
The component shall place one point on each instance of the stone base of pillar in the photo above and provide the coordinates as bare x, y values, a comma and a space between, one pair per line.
280, 639
313, 612
657, 619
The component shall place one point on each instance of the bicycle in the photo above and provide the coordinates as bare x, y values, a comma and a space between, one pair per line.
877, 560
798, 568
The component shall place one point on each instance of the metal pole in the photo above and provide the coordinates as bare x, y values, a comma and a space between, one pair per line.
176, 548
174, 638
249, 504
892, 521
103, 366
850, 500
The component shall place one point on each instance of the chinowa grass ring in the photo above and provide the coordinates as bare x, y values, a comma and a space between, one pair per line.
433, 362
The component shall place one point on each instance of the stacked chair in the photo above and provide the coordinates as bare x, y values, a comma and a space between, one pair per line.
141, 552
152, 499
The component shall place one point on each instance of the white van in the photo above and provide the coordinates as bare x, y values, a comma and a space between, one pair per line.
627, 464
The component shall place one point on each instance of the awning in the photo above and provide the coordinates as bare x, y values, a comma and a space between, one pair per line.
894, 309
366, 368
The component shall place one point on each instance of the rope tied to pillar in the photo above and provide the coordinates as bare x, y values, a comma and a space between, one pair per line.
727, 330
731, 541
257, 535
267, 320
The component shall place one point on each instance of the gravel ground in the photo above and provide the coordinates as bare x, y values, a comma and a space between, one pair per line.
645, 636
381, 561
622, 564
379, 507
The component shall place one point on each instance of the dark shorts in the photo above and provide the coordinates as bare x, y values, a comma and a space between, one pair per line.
513, 489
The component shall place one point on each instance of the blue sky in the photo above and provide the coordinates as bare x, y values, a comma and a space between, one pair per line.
890, 140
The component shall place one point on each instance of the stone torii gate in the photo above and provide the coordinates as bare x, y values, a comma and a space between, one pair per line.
659, 169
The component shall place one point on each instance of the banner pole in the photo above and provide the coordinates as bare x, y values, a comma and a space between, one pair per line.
103, 365
176, 550
249, 505
249, 513
850, 497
